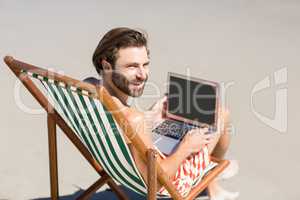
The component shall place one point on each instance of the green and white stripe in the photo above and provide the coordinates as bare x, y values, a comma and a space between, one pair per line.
97, 129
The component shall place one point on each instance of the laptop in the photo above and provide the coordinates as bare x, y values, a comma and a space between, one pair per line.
191, 103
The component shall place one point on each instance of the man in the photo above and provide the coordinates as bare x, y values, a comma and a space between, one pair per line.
122, 60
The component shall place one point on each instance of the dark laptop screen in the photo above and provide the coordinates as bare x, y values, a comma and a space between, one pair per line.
192, 100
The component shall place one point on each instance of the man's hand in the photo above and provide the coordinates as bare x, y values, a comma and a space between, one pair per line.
157, 112
195, 140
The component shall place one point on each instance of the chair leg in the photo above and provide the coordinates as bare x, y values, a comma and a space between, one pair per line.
117, 190
152, 174
52, 156
98, 184
93, 188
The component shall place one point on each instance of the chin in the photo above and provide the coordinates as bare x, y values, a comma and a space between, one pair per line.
136, 93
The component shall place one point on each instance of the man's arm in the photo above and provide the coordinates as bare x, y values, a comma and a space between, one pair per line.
193, 142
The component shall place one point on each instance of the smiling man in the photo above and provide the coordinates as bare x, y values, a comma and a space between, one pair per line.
122, 60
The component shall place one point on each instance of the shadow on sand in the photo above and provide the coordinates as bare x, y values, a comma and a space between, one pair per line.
107, 195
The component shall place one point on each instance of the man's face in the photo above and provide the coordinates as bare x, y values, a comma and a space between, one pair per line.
131, 70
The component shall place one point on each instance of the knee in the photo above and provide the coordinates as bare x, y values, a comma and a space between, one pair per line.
224, 142
225, 115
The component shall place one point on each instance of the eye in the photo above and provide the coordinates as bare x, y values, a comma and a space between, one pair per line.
131, 66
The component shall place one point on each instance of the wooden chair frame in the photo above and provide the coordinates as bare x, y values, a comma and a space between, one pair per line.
149, 156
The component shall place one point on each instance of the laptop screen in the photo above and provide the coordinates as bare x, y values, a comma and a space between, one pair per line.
192, 100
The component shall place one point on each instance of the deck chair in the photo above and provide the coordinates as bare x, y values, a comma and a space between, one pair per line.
92, 121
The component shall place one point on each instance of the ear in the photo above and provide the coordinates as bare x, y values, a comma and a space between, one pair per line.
106, 65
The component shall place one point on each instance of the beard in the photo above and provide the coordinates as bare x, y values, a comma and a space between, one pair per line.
123, 84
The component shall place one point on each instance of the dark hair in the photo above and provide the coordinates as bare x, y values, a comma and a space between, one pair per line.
114, 40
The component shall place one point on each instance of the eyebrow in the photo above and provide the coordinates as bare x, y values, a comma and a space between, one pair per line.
137, 64
146, 63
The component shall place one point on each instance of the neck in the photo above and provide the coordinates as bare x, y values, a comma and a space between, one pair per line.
116, 92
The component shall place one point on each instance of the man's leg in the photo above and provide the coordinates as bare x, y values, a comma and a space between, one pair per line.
218, 149
221, 140
222, 146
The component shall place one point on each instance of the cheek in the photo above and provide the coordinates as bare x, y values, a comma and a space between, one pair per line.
147, 72
129, 75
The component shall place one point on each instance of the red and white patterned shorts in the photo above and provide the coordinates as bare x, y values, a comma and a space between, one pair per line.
189, 172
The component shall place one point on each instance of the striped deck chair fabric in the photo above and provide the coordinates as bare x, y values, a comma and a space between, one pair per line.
98, 131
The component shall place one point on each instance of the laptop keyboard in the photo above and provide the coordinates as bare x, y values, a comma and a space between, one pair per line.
173, 128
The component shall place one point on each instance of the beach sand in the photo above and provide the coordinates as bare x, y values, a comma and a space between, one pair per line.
237, 43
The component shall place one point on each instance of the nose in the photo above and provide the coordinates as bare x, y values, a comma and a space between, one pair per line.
141, 74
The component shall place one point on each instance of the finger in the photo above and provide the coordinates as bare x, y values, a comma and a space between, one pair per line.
204, 130
208, 137
189, 133
159, 104
194, 131
164, 106
164, 99
207, 142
